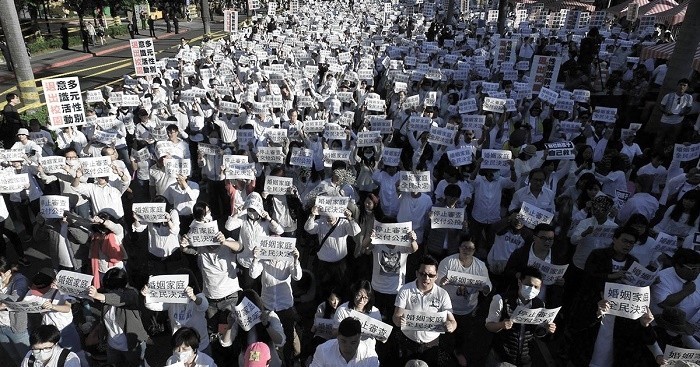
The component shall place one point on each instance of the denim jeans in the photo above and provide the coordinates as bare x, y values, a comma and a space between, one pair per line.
16, 344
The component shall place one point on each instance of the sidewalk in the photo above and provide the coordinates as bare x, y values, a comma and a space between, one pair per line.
60, 58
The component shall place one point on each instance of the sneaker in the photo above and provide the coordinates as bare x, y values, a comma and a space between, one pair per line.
23, 261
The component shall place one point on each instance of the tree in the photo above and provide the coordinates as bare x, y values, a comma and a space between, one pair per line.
681, 64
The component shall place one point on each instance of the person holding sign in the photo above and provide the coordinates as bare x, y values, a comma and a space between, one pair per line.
683, 217
106, 251
488, 188
677, 285
422, 295
362, 301
535, 193
164, 256
217, 262
345, 350
103, 197
190, 315
444, 241
464, 297
332, 235
512, 342
25, 200
13, 325
30, 148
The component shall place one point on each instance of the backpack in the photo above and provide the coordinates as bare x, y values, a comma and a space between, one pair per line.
61, 359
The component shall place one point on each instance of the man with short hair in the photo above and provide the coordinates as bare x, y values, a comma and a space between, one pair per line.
677, 286
346, 350
422, 295
45, 351
674, 106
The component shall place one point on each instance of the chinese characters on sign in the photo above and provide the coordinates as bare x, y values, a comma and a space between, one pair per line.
73, 284
392, 233
203, 234
150, 212
64, 102
626, 301
247, 314
446, 217
425, 321
144, 57
415, 182
53, 206
168, 288
276, 248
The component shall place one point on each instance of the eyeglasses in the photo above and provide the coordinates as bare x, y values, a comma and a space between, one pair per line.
693, 268
43, 349
427, 275
361, 296
546, 239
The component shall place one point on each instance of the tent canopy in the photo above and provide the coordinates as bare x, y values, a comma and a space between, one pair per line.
621, 9
665, 50
657, 6
672, 16
563, 4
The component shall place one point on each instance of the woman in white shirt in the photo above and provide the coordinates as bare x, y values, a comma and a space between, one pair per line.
682, 218
187, 349
362, 301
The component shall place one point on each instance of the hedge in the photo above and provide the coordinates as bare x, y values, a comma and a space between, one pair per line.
45, 44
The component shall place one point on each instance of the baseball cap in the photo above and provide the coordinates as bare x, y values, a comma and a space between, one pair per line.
22, 131
257, 355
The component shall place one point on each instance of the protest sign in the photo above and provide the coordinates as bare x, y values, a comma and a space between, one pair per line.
30, 304
244, 137
544, 72
626, 301
247, 314
314, 126
685, 153
461, 156
324, 328
564, 150
446, 217
570, 127
467, 106
392, 233
418, 123
105, 137
391, 156
604, 114
130, 100
332, 205
52, 164
207, 149
175, 166
228, 107
531, 215
474, 123
144, 56
270, 155
425, 321
372, 327
332, 155
621, 197
94, 96
230, 21
581, 95
276, 248
675, 354
96, 167
548, 95
494, 104
639, 276
460, 279
64, 102
276, 135
53, 206
301, 157
534, 316
275, 185
239, 171
603, 232
73, 284
150, 212
666, 243
495, 158
368, 138
550, 273
203, 234
415, 182
169, 288
13, 182
441, 135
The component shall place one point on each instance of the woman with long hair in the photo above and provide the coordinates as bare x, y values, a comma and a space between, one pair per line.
681, 219
361, 300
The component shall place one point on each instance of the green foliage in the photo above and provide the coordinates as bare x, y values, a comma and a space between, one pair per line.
45, 44
117, 30
39, 113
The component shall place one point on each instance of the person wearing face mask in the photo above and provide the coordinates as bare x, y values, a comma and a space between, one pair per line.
45, 351
25, 200
185, 343
218, 266
512, 342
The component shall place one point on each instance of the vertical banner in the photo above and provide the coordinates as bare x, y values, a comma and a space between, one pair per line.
144, 56
544, 72
64, 102
230, 21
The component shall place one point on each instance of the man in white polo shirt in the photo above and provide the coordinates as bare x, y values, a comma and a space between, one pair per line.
422, 295
346, 350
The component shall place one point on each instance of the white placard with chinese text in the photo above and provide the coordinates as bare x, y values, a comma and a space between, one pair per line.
168, 288
626, 301
53, 206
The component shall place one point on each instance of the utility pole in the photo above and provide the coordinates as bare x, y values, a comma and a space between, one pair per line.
18, 51
205, 17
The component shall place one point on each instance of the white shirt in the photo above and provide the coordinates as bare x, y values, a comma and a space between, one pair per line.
201, 360
335, 248
249, 235
641, 203
410, 298
466, 303
187, 314
673, 103
545, 200
387, 192
414, 210
163, 240
277, 278
105, 198
659, 173
389, 268
669, 283
219, 275
183, 200
487, 194
71, 361
503, 246
328, 355
586, 245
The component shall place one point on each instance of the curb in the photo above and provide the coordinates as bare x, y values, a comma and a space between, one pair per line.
85, 56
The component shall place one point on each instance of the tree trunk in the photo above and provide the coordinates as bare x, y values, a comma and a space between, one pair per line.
681, 64
18, 52
205, 17
502, 7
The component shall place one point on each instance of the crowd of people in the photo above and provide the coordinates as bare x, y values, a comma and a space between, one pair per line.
359, 103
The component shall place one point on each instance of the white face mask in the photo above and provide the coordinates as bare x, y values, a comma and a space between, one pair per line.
43, 356
184, 356
207, 218
213, 141
72, 162
529, 292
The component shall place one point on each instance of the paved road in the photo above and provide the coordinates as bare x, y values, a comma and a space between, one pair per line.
108, 66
